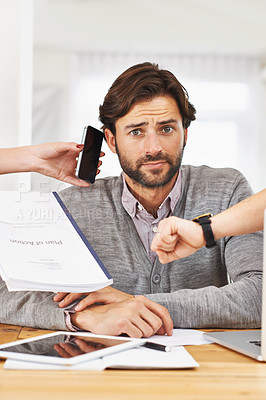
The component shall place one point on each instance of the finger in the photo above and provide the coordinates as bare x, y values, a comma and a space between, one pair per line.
102, 154
162, 240
130, 329
104, 296
160, 311
88, 301
169, 226
161, 331
75, 181
164, 237
149, 322
68, 299
143, 318
165, 257
167, 243
79, 147
162, 256
59, 296
63, 147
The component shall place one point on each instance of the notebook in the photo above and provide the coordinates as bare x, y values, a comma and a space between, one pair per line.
252, 343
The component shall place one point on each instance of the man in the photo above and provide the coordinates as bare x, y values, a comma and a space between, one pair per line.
145, 117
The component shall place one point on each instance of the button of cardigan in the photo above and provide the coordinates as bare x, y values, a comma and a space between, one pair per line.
156, 278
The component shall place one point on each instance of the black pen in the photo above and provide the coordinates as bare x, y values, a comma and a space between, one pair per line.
156, 346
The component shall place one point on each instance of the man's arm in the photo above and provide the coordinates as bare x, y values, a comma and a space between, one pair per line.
33, 309
135, 317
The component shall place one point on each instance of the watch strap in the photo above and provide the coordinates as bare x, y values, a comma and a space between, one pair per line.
205, 222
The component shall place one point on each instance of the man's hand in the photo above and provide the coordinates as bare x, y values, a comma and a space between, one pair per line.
177, 238
137, 317
106, 295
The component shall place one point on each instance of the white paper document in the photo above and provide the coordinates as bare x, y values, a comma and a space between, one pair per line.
181, 337
142, 358
42, 248
138, 358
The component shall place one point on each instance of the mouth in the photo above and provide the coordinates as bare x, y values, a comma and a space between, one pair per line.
155, 164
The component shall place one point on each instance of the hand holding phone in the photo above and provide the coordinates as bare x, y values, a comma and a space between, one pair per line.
89, 157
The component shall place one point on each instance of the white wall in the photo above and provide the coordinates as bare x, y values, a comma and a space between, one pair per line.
10, 30
262, 143
16, 43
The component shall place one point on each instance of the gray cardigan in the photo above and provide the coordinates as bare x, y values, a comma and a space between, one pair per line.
218, 287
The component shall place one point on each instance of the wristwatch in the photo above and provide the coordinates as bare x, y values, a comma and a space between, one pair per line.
205, 222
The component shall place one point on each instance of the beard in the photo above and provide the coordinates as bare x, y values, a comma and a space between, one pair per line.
154, 178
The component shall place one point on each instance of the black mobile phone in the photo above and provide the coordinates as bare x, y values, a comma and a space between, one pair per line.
89, 157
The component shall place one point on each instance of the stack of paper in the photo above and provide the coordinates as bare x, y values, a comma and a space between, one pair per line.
42, 248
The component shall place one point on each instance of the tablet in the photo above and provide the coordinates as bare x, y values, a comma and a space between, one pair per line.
66, 348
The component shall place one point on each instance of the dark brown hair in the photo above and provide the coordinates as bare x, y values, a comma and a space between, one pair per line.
143, 82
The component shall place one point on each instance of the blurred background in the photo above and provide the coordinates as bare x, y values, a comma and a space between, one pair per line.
59, 57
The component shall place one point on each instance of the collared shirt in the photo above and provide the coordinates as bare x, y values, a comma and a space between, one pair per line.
145, 222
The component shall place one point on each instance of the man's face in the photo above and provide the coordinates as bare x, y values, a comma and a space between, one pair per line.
150, 140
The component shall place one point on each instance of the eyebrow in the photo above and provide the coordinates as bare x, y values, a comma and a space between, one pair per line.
169, 121
132, 126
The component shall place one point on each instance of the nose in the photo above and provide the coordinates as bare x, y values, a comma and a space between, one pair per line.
152, 144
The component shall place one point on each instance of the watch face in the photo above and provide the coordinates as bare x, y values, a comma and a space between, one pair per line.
196, 219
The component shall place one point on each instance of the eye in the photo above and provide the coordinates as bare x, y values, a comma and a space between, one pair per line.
135, 132
167, 129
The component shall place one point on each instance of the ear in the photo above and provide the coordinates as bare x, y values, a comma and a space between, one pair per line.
185, 137
110, 139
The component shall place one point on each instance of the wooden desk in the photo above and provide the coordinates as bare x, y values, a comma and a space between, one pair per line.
223, 374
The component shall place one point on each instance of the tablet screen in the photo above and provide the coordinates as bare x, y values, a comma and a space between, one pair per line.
64, 345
